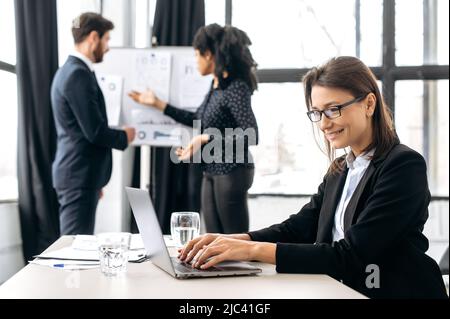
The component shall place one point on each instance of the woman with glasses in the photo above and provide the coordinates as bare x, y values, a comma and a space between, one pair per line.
364, 225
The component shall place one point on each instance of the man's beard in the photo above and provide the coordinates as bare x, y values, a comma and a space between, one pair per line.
98, 53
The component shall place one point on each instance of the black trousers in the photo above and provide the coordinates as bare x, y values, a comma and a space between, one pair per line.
224, 201
77, 210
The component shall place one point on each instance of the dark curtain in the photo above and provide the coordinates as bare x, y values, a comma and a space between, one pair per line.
37, 62
174, 187
176, 21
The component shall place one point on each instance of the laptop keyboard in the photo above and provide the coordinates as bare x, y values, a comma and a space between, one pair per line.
187, 267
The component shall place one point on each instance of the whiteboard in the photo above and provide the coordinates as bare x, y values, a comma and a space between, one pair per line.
169, 71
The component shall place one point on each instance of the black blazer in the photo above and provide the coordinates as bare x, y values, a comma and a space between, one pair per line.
383, 225
83, 156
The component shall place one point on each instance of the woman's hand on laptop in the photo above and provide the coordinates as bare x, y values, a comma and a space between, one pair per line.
226, 248
191, 249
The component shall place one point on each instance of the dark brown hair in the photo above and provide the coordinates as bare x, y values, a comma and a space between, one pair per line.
83, 25
352, 75
230, 48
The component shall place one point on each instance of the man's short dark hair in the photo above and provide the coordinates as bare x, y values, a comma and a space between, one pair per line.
86, 23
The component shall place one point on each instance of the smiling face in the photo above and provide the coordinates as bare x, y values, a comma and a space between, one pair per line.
354, 127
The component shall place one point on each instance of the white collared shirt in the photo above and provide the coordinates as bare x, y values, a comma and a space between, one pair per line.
356, 169
83, 58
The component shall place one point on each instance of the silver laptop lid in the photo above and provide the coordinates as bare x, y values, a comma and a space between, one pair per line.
149, 228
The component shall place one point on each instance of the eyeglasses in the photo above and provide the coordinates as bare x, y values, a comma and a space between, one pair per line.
331, 112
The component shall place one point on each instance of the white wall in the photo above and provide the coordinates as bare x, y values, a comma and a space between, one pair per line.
11, 258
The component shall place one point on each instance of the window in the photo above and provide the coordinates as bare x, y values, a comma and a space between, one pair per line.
306, 33
410, 56
132, 22
67, 12
8, 110
215, 12
424, 38
371, 45
286, 144
145, 14
422, 122
8, 136
7, 32
120, 13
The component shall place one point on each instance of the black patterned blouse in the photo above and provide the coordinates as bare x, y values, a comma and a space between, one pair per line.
230, 109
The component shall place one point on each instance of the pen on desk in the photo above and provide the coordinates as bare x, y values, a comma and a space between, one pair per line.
64, 265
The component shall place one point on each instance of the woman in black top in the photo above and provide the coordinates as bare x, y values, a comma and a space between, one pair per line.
364, 225
228, 126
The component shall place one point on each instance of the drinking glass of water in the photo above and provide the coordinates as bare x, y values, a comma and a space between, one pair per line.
113, 252
184, 226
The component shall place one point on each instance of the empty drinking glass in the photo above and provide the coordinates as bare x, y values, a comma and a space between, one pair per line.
184, 226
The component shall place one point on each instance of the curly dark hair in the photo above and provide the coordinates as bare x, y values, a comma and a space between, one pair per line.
230, 48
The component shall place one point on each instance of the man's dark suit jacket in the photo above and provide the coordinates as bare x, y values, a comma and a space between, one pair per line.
383, 226
83, 157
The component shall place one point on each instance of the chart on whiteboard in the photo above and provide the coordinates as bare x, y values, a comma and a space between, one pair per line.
170, 72
152, 71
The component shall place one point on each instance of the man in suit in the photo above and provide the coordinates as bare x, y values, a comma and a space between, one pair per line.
83, 162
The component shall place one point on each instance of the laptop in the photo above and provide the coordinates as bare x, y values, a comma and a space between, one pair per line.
156, 249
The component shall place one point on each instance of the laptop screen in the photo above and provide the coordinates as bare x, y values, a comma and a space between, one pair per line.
149, 228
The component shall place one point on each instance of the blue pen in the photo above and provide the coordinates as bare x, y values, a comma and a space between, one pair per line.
63, 265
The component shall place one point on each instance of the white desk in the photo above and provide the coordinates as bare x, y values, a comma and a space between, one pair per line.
148, 281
